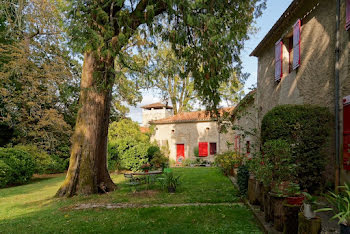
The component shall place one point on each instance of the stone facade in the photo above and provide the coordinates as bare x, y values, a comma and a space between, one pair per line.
155, 114
190, 134
155, 111
314, 81
245, 124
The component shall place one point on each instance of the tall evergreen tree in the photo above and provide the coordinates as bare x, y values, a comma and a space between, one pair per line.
211, 34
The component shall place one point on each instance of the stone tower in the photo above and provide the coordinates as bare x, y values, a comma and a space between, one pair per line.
155, 111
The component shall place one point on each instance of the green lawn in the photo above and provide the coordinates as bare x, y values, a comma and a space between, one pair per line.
31, 208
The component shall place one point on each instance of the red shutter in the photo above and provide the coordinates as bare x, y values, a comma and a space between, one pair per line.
296, 44
212, 148
278, 60
347, 14
203, 149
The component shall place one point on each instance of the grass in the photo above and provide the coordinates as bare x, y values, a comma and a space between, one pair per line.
31, 208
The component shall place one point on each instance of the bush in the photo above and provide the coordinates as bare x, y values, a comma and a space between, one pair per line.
226, 161
43, 162
128, 153
152, 151
307, 129
278, 159
159, 160
242, 179
21, 164
196, 151
5, 174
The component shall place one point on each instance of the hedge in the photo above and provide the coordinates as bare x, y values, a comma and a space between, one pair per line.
5, 174
21, 164
307, 129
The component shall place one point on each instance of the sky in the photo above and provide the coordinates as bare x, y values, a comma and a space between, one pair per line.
264, 23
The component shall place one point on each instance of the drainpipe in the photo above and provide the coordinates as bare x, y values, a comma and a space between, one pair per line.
336, 96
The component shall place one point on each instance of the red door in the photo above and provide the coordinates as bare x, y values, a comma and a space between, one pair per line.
180, 153
346, 133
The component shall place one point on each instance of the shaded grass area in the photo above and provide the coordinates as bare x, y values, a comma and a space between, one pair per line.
216, 219
31, 208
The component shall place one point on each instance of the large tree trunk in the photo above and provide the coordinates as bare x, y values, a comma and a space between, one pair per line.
87, 173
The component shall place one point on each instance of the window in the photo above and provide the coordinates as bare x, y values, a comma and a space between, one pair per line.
278, 60
212, 148
203, 149
296, 44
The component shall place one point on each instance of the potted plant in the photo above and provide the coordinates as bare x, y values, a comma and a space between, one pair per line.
294, 195
171, 182
145, 167
309, 206
341, 207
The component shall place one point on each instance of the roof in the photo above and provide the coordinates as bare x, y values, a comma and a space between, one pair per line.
197, 116
276, 29
157, 105
144, 129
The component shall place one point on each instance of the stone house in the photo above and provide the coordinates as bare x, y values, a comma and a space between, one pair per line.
180, 134
304, 59
183, 132
244, 125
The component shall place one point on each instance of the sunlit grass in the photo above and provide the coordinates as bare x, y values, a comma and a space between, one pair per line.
32, 208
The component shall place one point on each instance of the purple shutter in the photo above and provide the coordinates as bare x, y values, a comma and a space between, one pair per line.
347, 14
278, 60
296, 44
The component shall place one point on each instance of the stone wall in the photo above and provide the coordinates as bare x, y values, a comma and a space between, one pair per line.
313, 82
155, 114
246, 126
190, 134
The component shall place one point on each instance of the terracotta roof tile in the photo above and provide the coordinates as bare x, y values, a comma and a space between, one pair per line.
190, 117
144, 129
156, 105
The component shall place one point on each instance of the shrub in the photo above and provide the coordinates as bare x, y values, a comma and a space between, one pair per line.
226, 161
128, 153
242, 179
196, 151
21, 164
278, 159
307, 129
152, 150
5, 174
43, 162
159, 160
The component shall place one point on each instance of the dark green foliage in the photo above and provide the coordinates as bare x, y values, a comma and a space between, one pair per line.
242, 179
6, 133
307, 129
159, 160
278, 158
128, 153
20, 162
152, 150
5, 174
44, 163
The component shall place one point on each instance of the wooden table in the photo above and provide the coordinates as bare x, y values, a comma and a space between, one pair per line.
147, 174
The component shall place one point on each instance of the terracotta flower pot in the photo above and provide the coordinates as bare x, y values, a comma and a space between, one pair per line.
295, 200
